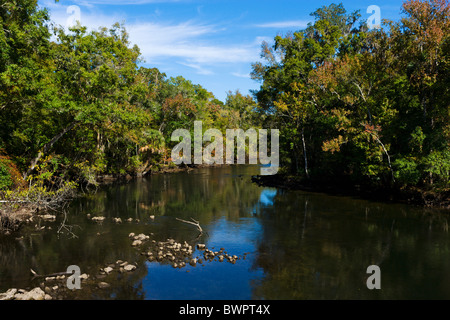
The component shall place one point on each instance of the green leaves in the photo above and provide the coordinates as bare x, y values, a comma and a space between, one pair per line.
368, 105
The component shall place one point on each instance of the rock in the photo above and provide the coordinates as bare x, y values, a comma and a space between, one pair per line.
129, 267
108, 269
141, 237
8, 295
48, 217
98, 219
48, 297
193, 262
152, 217
136, 243
84, 276
201, 246
103, 285
35, 294
117, 220
131, 235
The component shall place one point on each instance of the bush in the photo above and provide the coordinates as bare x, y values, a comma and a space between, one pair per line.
5, 176
406, 171
10, 177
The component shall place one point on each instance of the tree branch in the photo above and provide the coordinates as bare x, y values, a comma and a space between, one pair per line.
195, 223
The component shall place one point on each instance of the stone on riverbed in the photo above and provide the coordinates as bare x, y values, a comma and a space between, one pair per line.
103, 285
108, 269
34, 294
48, 217
8, 295
129, 267
98, 219
136, 243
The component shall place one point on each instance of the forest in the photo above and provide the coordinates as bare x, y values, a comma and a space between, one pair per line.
355, 105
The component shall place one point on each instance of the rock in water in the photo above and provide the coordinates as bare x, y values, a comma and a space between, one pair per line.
129, 267
103, 285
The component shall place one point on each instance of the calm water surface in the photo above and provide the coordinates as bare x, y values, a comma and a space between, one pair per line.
297, 245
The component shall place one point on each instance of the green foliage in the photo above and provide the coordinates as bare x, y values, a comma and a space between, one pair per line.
437, 164
407, 171
5, 176
360, 105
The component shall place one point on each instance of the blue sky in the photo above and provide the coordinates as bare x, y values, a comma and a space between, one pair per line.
210, 42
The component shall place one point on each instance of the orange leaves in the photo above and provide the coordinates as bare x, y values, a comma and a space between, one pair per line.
333, 145
179, 104
427, 23
14, 173
428, 20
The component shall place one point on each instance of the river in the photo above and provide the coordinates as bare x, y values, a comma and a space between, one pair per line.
290, 245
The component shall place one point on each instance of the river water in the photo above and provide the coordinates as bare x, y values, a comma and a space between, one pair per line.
291, 245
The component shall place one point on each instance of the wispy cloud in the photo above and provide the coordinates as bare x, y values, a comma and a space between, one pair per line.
284, 24
187, 40
200, 70
241, 75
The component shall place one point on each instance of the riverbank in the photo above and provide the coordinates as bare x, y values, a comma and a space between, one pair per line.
411, 196
15, 213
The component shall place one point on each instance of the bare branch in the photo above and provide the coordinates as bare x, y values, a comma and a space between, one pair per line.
195, 223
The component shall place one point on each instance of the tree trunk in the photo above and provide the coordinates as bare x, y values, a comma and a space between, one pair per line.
304, 154
47, 147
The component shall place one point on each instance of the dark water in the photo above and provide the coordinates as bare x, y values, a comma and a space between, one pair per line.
296, 245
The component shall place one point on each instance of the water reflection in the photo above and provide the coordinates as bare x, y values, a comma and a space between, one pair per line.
296, 245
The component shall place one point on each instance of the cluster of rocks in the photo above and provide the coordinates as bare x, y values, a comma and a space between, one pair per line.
100, 219
119, 265
178, 254
220, 255
50, 288
22, 294
55, 287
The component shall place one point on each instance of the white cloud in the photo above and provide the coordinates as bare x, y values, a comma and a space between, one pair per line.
200, 69
191, 43
300, 24
187, 40
241, 75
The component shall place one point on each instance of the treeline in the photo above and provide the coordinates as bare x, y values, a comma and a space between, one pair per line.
78, 104
363, 106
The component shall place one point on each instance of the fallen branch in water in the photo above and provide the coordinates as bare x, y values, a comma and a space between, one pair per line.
195, 223
35, 275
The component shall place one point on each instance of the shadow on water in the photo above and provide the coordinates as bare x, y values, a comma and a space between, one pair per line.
291, 245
